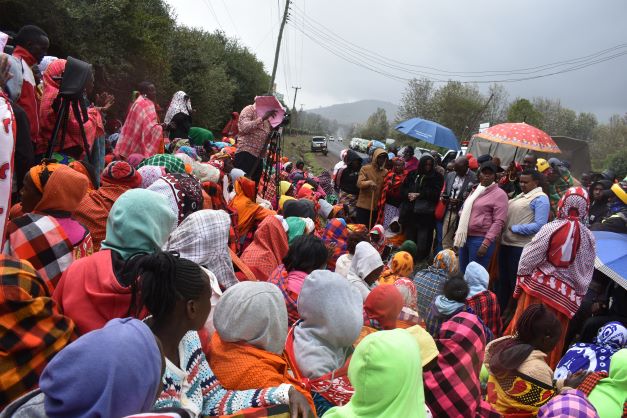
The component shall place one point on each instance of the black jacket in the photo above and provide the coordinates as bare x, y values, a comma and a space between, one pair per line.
348, 176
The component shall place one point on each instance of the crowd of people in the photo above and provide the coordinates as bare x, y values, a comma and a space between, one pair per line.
155, 270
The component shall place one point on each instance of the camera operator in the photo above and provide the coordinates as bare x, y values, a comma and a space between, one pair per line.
251, 142
72, 145
457, 188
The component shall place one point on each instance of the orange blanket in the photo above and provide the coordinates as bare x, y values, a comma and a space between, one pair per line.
240, 366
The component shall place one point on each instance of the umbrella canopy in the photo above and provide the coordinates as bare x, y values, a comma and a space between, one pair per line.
428, 131
520, 135
611, 258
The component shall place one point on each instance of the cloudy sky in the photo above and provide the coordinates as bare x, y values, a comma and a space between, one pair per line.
452, 35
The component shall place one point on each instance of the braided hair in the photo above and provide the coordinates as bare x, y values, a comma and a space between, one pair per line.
534, 322
165, 279
508, 355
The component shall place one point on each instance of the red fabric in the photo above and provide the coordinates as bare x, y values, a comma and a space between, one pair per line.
141, 133
486, 306
391, 185
90, 294
48, 116
28, 99
520, 135
383, 304
333, 386
231, 129
268, 248
93, 211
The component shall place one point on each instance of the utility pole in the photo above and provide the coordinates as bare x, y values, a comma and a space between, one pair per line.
295, 93
278, 45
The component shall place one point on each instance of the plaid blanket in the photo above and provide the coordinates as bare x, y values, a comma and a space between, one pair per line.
141, 133
335, 235
32, 330
486, 307
279, 278
41, 241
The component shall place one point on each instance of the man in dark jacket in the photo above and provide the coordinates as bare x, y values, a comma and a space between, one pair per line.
457, 186
346, 181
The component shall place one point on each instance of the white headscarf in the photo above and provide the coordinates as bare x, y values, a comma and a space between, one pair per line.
180, 103
365, 261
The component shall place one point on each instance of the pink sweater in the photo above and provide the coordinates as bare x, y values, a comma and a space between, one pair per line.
489, 214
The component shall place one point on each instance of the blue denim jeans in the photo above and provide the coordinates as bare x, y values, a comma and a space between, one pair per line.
468, 253
438, 236
97, 156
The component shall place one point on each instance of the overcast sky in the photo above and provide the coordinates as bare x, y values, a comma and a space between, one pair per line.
461, 36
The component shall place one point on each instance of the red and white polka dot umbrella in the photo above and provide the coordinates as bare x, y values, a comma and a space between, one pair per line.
520, 135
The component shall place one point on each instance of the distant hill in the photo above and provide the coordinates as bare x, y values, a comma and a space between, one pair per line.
356, 112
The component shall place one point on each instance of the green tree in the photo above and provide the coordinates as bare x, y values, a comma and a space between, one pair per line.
522, 110
417, 100
197, 69
585, 125
608, 139
376, 126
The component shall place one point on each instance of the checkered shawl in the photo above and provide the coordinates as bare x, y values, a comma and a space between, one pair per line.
336, 233
428, 284
32, 330
452, 387
570, 403
279, 278
486, 306
41, 241
203, 237
591, 381
141, 133
170, 162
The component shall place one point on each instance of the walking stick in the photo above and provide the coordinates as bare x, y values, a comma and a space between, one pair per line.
371, 208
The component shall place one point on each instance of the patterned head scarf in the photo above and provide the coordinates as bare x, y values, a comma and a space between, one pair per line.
150, 174
180, 103
203, 237
593, 357
183, 192
409, 293
402, 264
565, 244
32, 330
121, 172
170, 162
446, 260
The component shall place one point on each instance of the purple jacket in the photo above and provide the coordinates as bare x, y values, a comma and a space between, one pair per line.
489, 214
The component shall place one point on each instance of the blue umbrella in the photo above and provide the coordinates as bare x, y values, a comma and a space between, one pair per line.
611, 258
430, 132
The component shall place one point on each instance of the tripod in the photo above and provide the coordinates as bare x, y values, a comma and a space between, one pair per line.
71, 91
275, 140
80, 114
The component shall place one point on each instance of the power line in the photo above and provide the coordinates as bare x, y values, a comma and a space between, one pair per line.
231, 19
356, 57
356, 52
213, 13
